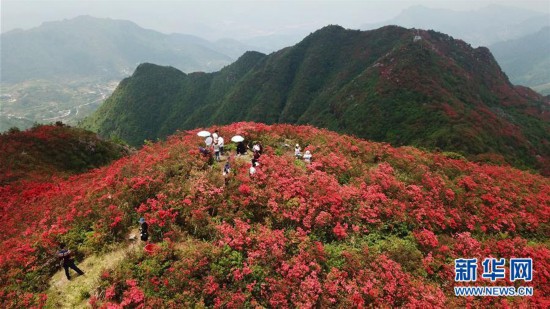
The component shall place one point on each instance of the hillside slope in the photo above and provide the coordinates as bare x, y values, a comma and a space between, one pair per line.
363, 225
436, 92
47, 150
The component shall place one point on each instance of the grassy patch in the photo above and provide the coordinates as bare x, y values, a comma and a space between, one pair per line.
76, 292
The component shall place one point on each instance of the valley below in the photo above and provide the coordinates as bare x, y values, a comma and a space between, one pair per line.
44, 101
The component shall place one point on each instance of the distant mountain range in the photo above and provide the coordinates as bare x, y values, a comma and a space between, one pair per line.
482, 27
406, 87
88, 46
63, 70
526, 60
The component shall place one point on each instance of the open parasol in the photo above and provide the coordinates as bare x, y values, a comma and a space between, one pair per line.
237, 138
203, 133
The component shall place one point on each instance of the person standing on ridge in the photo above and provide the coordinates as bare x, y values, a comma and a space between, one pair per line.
208, 142
220, 143
241, 149
67, 262
307, 156
216, 136
298, 151
217, 151
143, 229
252, 169
226, 171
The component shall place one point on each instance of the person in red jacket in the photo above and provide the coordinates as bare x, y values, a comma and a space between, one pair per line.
67, 262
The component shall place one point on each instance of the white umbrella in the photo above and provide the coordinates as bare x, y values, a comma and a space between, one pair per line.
203, 133
237, 138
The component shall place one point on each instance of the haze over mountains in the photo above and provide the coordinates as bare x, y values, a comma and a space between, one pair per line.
526, 60
402, 86
482, 27
63, 71
86, 46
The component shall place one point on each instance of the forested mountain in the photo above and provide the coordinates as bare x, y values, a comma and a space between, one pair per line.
406, 87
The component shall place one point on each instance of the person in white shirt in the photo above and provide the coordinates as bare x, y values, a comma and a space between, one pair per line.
217, 152
307, 156
208, 141
252, 170
220, 143
297, 151
215, 136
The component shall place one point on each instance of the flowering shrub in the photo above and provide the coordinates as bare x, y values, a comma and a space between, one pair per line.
363, 225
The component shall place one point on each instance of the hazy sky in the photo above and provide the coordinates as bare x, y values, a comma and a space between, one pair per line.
235, 19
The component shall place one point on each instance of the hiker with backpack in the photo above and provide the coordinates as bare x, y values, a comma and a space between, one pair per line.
65, 255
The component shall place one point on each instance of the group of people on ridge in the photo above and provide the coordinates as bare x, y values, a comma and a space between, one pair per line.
214, 144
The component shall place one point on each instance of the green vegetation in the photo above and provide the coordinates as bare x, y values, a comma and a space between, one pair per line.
437, 93
45, 150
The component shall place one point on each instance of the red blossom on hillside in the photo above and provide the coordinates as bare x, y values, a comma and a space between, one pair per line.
364, 225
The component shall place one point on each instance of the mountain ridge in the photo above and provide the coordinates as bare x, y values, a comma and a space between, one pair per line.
411, 87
